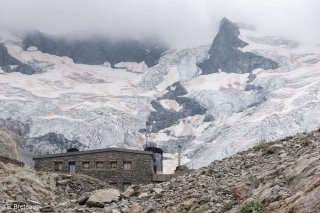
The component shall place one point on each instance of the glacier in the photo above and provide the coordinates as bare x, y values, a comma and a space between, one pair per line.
98, 106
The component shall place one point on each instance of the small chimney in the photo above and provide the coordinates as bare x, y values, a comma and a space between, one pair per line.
72, 150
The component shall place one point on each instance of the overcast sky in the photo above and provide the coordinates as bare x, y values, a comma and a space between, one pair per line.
186, 22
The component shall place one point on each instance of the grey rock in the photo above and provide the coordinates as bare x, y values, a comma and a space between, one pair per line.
143, 195
173, 91
204, 199
2, 165
225, 55
128, 193
83, 199
19, 128
274, 148
63, 182
157, 190
103, 196
98, 50
51, 139
163, 118
149, 209
208, 118
47, 209
11, 64
136, 208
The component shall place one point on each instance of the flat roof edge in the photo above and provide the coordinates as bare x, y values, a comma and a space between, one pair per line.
93, 151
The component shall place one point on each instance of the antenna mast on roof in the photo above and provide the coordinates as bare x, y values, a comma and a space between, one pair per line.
148, 128
179, 155
148, 131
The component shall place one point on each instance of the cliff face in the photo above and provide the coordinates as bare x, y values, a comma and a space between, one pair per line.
97, 51
11, 64
225, 55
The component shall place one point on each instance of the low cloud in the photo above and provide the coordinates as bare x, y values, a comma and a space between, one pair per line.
179, 22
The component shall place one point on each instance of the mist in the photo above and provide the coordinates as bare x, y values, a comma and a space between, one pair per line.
177, 22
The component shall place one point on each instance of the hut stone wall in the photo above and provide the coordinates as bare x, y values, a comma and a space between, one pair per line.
119, 168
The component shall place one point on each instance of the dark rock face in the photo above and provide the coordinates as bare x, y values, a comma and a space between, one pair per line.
163, 118
55, 142
49, 143
225, 55
11, 64
208, 118
174, 91
15, 126
97, 51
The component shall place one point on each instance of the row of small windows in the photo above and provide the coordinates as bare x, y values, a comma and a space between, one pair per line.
98, 165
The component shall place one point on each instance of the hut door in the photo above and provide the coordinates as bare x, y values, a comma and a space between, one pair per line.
72, 167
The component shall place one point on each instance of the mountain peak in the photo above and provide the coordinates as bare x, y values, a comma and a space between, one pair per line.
225, 55
231, 31
227, 23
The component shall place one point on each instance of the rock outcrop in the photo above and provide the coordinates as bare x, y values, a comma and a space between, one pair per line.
97, 51
225, 55
43, 191
162, 118
101, 197
11, 64
55, 141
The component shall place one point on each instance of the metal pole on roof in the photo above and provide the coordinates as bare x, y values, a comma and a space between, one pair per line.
179, 155
146, 137
147, 130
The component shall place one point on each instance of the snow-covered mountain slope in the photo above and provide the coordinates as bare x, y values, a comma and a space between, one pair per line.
96, 105
261, 106
211, 116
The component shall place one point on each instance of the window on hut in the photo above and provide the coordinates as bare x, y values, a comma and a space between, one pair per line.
99, 165
58, 166
113, 164
85, 165
127, 165
113, 184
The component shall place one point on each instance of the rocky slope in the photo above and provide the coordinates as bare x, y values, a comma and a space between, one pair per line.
39, 190
279, 177
26, 187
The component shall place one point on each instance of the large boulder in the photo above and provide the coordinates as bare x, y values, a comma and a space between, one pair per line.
136, 208
103, 196
128, 193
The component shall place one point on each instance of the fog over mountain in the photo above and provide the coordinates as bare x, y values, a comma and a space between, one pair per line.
178, 22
